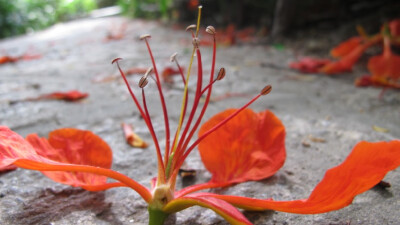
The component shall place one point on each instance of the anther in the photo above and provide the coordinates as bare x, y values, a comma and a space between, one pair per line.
173, 57
210, 30
116, 60
144, 36
143, 82
221, 74
190, 27
266, 90
195, 42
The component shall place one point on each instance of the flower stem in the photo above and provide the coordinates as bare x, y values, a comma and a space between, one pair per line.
156, 216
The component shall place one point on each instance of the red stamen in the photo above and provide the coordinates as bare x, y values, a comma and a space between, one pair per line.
151, 129
204, 106
215, 128
164, 108
142, 113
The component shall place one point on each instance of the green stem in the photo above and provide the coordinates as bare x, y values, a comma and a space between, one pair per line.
156, 216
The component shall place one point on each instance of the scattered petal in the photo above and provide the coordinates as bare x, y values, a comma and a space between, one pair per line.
69, 96
365, 167
168, 72
346, 47
131, 138
253, 141
309, 65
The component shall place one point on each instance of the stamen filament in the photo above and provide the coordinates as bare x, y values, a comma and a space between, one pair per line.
161, 167
202, 111
142, 113
180, 161
186, 86
164, 108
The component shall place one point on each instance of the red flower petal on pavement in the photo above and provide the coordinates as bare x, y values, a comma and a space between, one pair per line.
74, 146
346, 47
249, 147
309, 65
70, 96
365, 167
387, 64
14, 149
132, 138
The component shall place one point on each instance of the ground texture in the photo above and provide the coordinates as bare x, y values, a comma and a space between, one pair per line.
324, 118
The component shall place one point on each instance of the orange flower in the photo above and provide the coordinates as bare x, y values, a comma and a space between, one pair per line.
349, 53
309, 65
386, 65
236, 145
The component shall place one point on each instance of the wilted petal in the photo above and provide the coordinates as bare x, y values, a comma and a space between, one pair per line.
249, 147
222, 208
365, 167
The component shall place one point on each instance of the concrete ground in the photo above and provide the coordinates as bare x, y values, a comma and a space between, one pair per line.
324, 118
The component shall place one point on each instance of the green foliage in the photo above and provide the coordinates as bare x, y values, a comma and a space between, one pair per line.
21, 16
149, 9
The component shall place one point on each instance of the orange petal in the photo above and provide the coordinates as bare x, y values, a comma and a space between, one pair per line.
14, 149
66, 96
346, 62
346, 47
365, 167
309, 65
386, 65
249, 147
131, 138
222, 208
74, 146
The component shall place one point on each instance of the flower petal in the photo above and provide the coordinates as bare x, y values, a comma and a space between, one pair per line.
74, 146
309, 65
222, 208
249, 147
386, 65
16, 150
346, 47
365, 167
69, 96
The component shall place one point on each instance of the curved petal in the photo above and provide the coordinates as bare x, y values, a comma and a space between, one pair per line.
74, 146
366, 166
222, 208
346, 47
249, 147
14, 149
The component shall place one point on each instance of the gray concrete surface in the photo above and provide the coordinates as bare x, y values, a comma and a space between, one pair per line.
330, 108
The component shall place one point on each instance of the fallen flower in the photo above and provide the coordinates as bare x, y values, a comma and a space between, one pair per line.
386, 65
69, 96
309, 65
131, 138
236, 145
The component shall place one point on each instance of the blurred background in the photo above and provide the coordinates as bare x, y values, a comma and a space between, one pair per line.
269, 17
